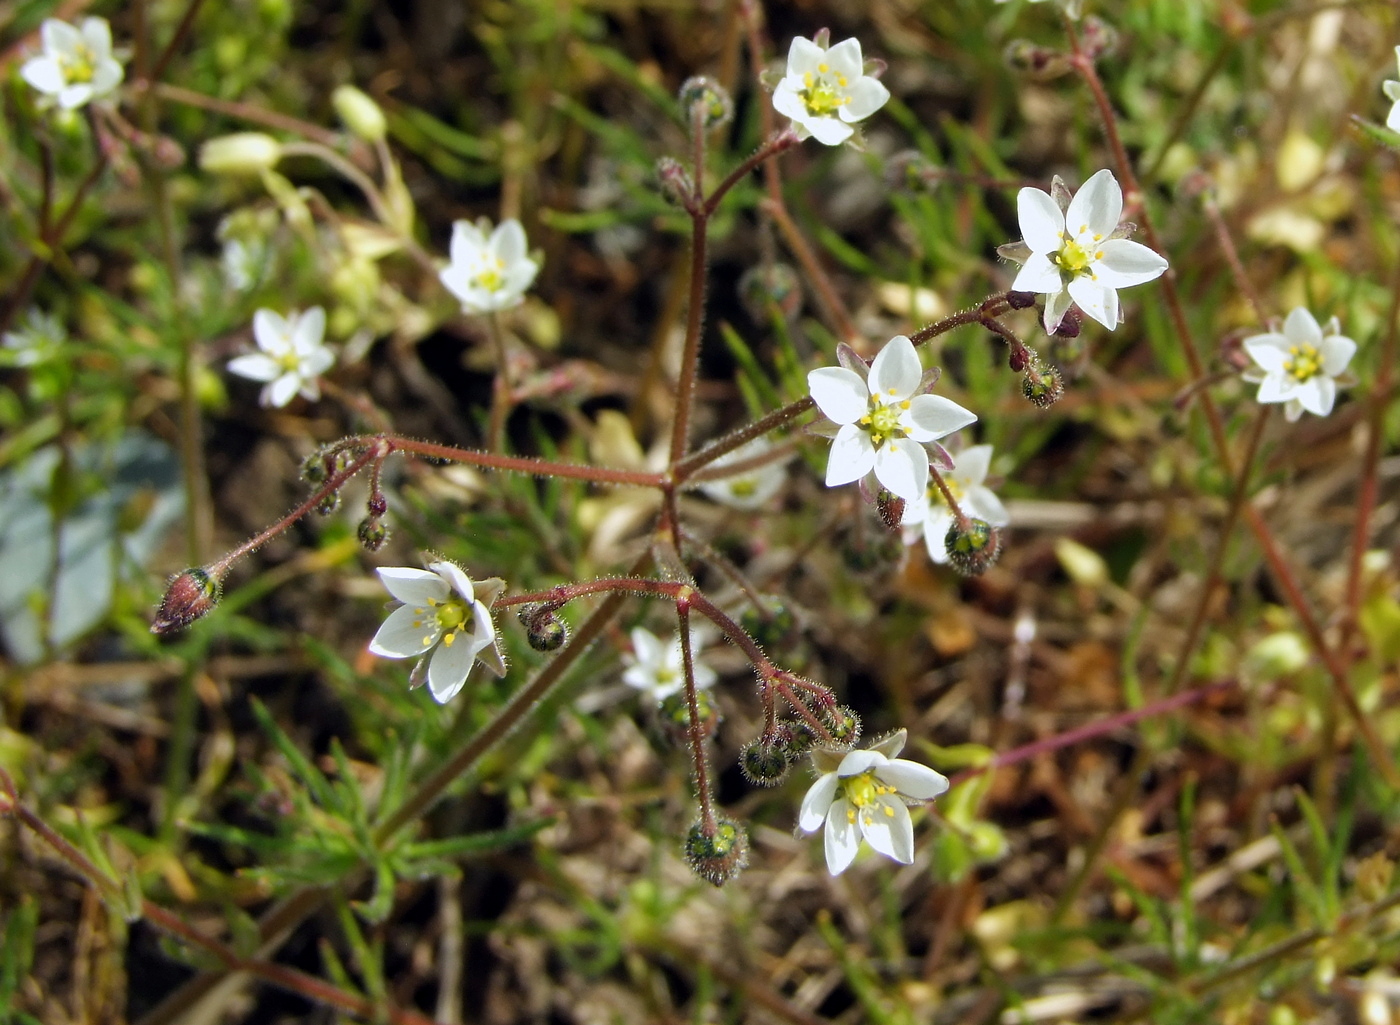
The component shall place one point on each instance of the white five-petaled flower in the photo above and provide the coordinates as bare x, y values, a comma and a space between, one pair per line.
488, 271
864, 794
1074, 250
825, 91
656, 667
1300, 367
747, 488
442, 611
1391, 88
930, 515
37, 341
884, 420
77, 63
293, 355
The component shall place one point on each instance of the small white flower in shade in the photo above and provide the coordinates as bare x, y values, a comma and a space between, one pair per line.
1076, 252
748, 488
1391, 88
77, 63
488, 272
884, 421
37, 341
655, 666
444, 613
1300, 367
292, 357
825, 91
930, 517
863, 794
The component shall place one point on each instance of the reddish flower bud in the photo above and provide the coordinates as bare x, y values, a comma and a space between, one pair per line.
190, 596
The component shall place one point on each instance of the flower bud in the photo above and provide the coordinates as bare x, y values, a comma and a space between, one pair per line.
912, 172
373, 533
1070, 324
1042, 385
1020, 300
972, 549
676, 183
378, 505
360, 113
793, 738
190, 596
675, 715
774, 284
771, 630
1036, 61
844, 723
329, 504
1097, 37
891, 509
764, 762
240, 153
717, 856
543, 628
702, 96
1020, 357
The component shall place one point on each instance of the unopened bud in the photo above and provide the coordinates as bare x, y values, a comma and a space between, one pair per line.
378, 505
891, 509
329, 504
1034, 60
190, 596
1020, 357
912, 172
373, 533
240, 153
313, 469
764, 762
1042, 385
1020, 300
675, 181
1097, 37
717, 855
701, 96
1070, 324
843, 722
773, 629
543, 628
768, 285
972, 547
675, 715
360, 113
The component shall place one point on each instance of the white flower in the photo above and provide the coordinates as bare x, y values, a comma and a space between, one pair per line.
751, 488
930, 515
77, 63
1300, 366
1391, 88
488, 272
37, 341
292, 355
441, 610
826, 91
1078, 253
883, 421
656, 668
863, 794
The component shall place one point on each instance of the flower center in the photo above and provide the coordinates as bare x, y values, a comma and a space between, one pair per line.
863, 791
821, 95
882, 422
491, 278
1304, 362
290, 361
1074, 259
78, 66
743, 488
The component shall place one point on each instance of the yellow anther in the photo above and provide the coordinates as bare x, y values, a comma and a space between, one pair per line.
823, 68
448, 639
889, 812
904, 404
427, 639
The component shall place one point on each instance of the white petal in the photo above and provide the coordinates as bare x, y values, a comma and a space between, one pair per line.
413, 586
1392, 120
74, 96
853, 763
272, 332
467, 245
1277, 388
1096, 207
97, 34
844, 59
1125, 263
1038, 274
930, 417
851, 457
60, 37
256, 367
308, 329
705, 677
508, 241
1096, 300
888, 828
842, 837
817, 803
970, 466
936, 529
315, 363
984, 504
449, 666
44, 74
895, 374
405, 634
520, 275
281, 391
902, 467
1042, 224
648, 649
1056, 305
828, 130
1269, 351
866, 95
1293, 410
1318, 394
913, 780
804, 56
106, 77
787, 101
839, 393
454, 576
1301, 328
1336, 352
